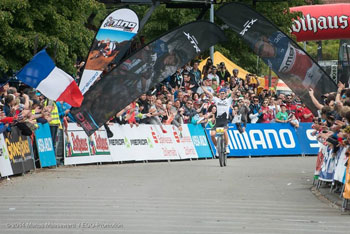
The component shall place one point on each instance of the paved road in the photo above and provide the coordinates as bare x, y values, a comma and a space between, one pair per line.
258, 195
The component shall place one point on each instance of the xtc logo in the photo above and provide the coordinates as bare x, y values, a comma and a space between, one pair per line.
193, 41
247, 26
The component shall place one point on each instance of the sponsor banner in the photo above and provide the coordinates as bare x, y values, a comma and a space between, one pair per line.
308, 141
183, 142
321, 22
328, 165
340, 166
5, 163
145, 142
143, 70
284, 56
262, 139
44, 145
200, 141
344, 61
19, 150
110, 44
346, 193
331, 68
80, 149
320, 157
133, 144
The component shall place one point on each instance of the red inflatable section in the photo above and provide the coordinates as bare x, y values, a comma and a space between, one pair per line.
322, 22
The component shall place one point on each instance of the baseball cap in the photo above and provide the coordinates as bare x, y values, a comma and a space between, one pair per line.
222, 64
240, 98
235, 70
222, 90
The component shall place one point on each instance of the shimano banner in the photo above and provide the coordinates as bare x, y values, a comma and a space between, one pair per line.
288, 60
110, 44
143, 70
308, 140
270, 139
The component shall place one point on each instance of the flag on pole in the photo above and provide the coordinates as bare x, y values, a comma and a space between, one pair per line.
42, 74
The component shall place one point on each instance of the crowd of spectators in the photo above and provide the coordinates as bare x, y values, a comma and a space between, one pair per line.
180, 99
332, 127
25, 108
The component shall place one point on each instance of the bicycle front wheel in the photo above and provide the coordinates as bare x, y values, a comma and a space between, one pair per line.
221, 150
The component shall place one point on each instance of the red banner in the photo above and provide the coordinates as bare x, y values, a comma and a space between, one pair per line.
322, 22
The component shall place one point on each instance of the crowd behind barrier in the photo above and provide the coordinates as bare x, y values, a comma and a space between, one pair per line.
182, 100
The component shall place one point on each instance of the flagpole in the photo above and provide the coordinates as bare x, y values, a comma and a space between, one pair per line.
212, 20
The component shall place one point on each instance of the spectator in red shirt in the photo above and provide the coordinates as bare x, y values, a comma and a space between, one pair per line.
304, 114
291, 107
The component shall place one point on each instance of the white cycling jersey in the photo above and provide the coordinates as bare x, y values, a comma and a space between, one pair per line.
222, 106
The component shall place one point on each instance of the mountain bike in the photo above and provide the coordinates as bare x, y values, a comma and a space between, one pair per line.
220, 147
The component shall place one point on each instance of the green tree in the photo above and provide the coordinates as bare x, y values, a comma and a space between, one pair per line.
164, 19
59, 25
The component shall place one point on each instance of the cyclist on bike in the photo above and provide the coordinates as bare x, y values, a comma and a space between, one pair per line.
223, 104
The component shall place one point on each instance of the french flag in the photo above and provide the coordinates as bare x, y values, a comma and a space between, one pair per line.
42, 74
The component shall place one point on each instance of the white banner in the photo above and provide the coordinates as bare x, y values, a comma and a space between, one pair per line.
79, 148
5, 164
148, 142
340, 168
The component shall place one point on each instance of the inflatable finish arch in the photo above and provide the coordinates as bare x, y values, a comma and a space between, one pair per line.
322, 22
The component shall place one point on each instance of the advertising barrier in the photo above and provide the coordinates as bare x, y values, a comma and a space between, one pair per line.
148, 142
341, 165
44, 145
80, 149
200, 141
270, 139
308, 142
5, 163
20, 151
328, 166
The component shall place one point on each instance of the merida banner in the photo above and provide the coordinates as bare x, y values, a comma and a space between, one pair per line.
270, 139
110, 44
143, 70
148, 142
285, 57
